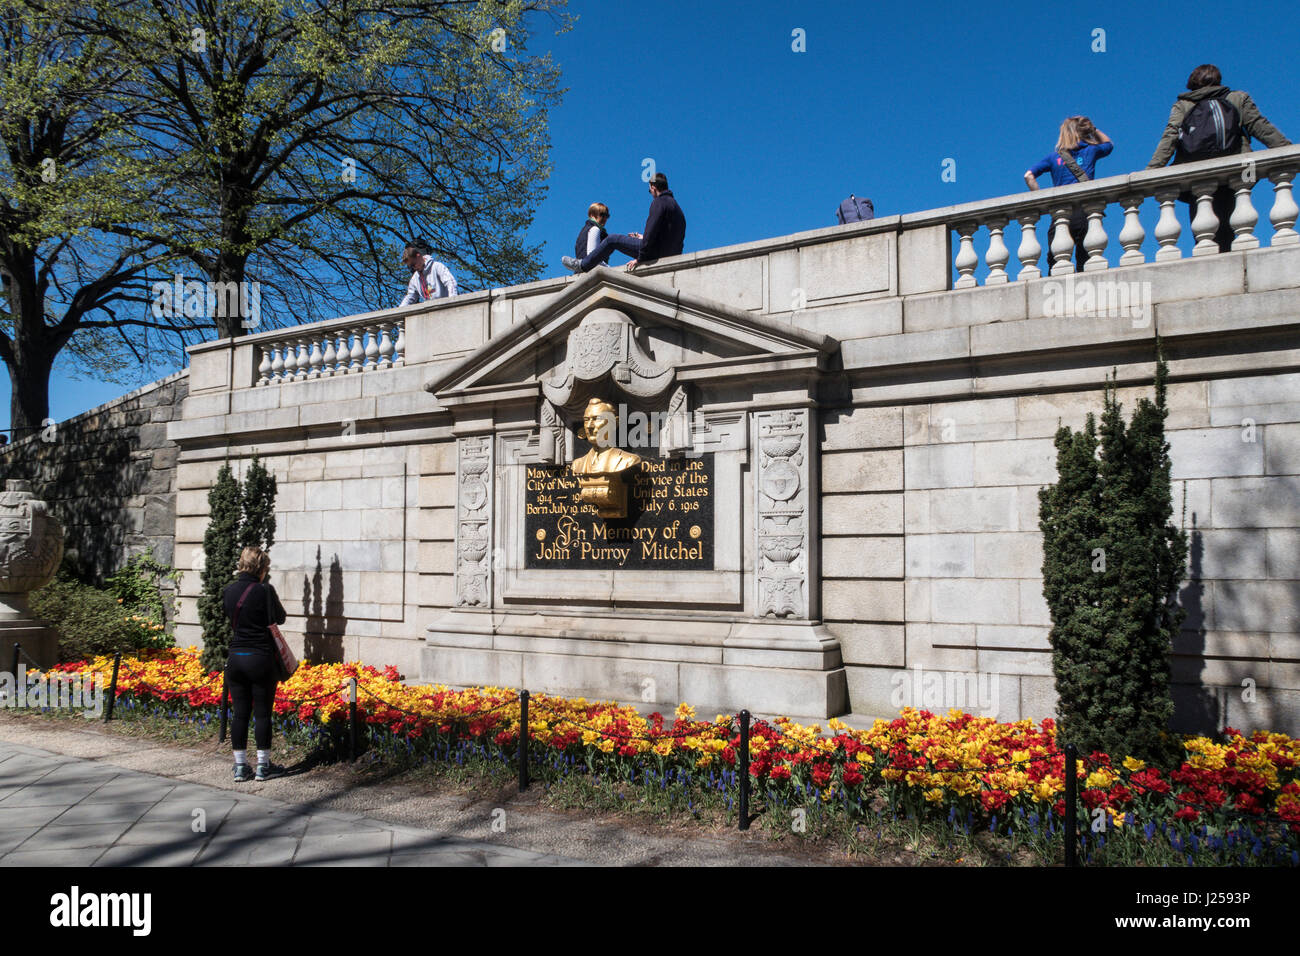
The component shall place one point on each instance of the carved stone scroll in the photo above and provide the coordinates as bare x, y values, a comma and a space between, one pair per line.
675, 437
552, 436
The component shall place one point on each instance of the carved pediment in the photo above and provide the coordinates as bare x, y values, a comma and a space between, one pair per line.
637, 333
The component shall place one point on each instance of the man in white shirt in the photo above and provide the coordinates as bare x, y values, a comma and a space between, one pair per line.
430, 279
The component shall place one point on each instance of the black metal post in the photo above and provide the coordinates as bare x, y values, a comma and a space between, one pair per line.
112, 687
352, 720
18, 649
523, 740
1071, 815
225, 709
744, 770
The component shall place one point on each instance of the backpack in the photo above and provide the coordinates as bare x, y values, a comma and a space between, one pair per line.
1210, 129
855, 210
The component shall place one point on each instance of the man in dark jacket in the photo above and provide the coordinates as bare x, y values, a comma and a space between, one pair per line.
1206, 83
665, 234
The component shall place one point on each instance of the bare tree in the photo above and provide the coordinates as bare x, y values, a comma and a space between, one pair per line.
317, 136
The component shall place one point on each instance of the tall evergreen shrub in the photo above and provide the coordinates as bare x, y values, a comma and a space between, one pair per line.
1112, 563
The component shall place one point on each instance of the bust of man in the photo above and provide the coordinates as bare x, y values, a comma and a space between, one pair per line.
604, 458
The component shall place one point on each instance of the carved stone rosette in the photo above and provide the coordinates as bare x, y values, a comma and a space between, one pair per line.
31, 546
474, 522
781, 489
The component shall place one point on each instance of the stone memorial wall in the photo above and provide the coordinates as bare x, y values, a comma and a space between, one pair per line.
870, 409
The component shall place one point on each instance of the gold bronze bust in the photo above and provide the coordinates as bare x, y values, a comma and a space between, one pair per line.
600, 479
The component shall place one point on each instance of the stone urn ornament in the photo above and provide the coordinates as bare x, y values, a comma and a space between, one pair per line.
31, 547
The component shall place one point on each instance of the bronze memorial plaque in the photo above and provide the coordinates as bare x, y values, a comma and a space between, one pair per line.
669, 523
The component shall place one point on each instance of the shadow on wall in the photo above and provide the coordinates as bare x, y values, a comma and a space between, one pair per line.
1197, 709
325, 626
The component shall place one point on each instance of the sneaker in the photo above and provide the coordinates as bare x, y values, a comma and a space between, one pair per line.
243, 772
265, 771
570, 263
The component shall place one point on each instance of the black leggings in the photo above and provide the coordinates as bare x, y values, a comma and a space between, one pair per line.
250, 675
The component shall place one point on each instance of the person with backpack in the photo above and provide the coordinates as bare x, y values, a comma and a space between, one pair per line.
252, 606
1079, 145
1207, 121
854, 209
665, 234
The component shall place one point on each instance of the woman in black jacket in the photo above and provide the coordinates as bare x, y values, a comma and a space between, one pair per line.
252, 606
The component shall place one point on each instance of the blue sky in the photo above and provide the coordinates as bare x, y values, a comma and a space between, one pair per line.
758, 140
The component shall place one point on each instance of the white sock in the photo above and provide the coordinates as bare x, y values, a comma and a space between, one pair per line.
264, 756
241, 757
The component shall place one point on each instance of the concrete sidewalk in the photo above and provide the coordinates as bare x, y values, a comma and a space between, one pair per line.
57, 810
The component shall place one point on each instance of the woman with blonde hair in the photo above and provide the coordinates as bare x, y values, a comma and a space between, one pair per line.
1078, 147
252, 606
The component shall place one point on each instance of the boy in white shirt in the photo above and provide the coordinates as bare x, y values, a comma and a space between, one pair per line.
429, 279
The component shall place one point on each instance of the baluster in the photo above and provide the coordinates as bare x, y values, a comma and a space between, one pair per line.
264, 370
290, 362
330, 358
1095, 239
345, 354
1243, 219
1284, 212
1205, 222
372, 348
303, 360
1062, 243
1030, 249
399, 347
358, 353
966, 260
315, 360
998, 255
1168, 228
385, 348
1132, 235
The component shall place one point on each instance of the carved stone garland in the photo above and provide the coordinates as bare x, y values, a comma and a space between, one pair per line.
782, 513
474, 522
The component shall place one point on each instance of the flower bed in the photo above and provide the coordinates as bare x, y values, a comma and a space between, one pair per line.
1236, 800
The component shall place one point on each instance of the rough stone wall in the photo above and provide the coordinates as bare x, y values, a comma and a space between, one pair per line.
109, 476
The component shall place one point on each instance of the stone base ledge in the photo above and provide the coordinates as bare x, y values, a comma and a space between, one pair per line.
716, 666
40, 644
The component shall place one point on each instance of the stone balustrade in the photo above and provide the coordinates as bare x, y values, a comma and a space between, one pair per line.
1200, 180
811, 274
295, 355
